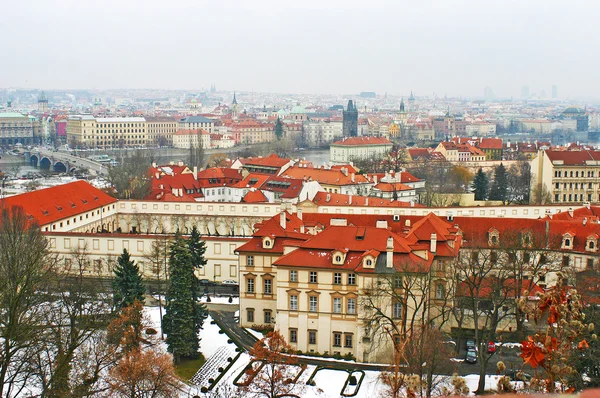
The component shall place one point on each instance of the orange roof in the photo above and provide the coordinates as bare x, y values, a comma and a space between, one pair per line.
575, 157
338, 199
62, 201
255, 196
325, 176
391, 187
270, 161
364, 140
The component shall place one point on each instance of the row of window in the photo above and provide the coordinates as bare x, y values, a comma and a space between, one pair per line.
348, 338
313, 304
574, 197
574, 185
590, 173
267, 286
313, 277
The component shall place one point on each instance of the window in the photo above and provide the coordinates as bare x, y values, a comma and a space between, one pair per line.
590, 263
312, 304
250, 316
439, 291
312, 337
294, 303
351, 306
493, 257
348, 340
337, 278
369, 263
397, 310
293, 335
250, 285
338, 259
250, 261
337, 305
352, 279
313, 277
566, 261
397, 282
267, 316
337, 339
268, 286
293, 276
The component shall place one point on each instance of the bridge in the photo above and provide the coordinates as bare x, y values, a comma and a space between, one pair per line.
62, 162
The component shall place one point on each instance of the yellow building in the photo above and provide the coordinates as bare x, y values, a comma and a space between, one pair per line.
89, 131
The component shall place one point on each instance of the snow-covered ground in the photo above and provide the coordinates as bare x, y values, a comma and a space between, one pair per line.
328, 382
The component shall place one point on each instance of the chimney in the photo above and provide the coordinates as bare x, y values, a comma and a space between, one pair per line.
302, 228
153, 165
350, 199
282, 219
367, 201
389, 260
299, 213
407, 223
571, 211
344, 171
433, 243
352, 177
196, 173
584, 220
375, 179
381, 224
328, 198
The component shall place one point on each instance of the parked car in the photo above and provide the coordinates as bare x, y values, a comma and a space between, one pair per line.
471, 344
229, 282
491, 347
517, 375
471, 356
206, 282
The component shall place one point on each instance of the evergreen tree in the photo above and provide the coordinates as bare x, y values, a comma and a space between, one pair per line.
480, 185
499, 188
278, 129
184, 314
197, 248
128, 285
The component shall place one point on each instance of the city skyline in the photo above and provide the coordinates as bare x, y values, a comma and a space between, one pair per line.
313, 48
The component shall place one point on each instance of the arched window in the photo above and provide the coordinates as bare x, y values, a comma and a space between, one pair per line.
338, 259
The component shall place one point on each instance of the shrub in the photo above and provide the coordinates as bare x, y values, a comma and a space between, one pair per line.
352, 380
151, 331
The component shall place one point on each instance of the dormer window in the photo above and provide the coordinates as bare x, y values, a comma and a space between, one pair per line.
567, 242
591, 245
369, 262
493, 237
267, 242
338, 258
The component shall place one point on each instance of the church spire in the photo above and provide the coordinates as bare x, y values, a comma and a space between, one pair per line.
402, 105
234, 102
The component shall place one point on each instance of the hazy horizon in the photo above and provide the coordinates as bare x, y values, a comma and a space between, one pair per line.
335, 47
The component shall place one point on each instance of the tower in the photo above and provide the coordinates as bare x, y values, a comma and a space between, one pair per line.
350, 120
43, 103
234, 107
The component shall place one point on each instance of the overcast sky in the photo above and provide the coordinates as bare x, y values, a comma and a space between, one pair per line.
304, 46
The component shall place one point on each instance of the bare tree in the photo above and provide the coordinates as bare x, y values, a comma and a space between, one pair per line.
76, 313
25, 265
274, 376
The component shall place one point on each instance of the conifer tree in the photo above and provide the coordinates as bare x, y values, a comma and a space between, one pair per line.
278, 129
184, 314
128, 285
480, 185
499, 188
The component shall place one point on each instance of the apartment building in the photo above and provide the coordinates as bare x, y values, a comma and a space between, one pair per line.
160, 130
196, 123
570, 176
365, 147
101, 132
318, 133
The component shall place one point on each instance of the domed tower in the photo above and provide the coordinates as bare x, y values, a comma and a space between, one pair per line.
43, 103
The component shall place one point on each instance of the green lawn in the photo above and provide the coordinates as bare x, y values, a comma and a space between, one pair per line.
187, 368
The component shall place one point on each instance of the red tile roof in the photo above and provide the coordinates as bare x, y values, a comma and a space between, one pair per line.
338, 199
576, 157
63, 201
325, 176
254, 196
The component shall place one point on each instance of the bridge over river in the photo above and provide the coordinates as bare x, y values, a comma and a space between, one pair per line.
63, 162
